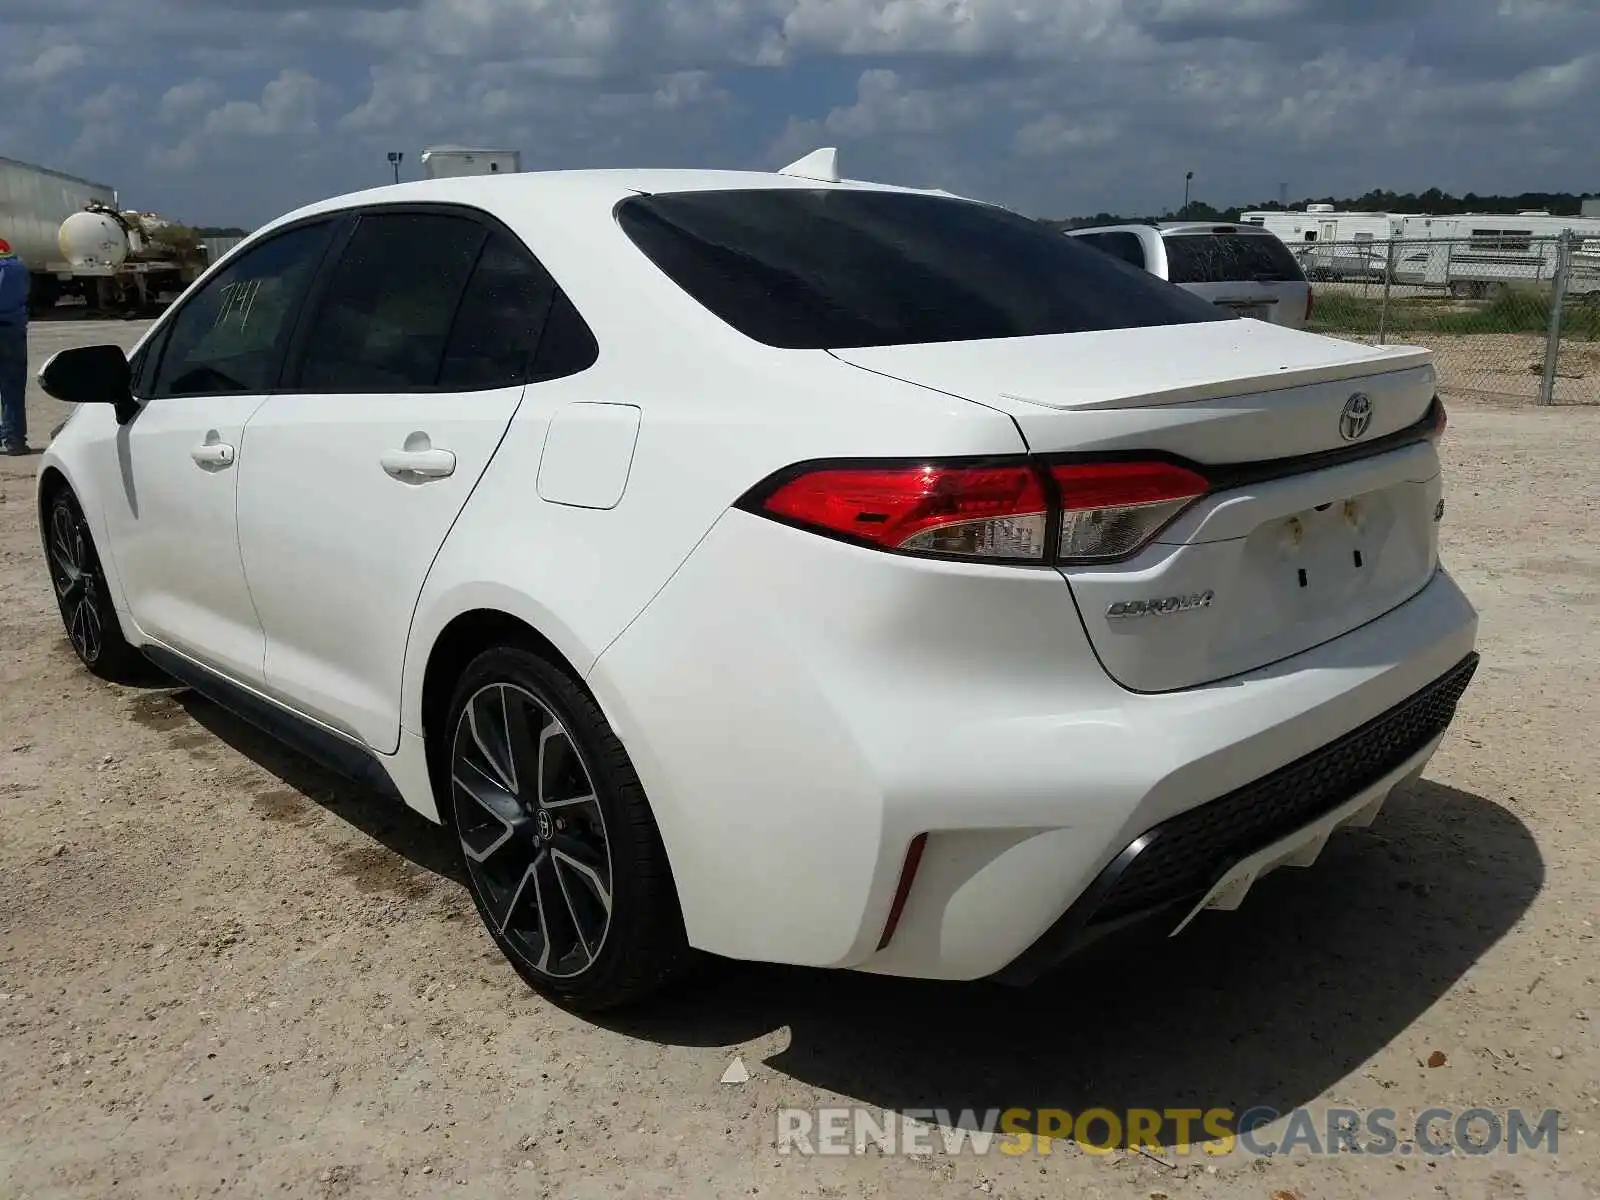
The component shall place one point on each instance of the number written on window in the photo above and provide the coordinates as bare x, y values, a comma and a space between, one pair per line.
230, 336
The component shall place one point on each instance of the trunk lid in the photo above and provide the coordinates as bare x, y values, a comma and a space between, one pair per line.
1283, 555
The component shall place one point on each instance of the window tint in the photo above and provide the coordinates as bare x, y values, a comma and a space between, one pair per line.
228, 337
147, 360
804, 268
383, 324
499, 320
1230, 258
567, 346
1125, 246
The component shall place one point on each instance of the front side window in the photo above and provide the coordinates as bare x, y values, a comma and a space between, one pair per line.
230, 336
384, 322
839, 267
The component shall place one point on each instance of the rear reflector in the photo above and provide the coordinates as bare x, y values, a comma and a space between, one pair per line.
1109, 510
908, 875
985, 512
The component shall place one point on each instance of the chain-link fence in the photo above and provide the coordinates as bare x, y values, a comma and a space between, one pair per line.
1505, 314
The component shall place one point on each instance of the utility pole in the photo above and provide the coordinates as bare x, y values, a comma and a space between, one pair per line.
395, 158
1188, 176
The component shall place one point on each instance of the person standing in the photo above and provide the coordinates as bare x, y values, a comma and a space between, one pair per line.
14, 288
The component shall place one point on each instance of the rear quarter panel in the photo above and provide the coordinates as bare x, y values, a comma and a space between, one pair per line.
717, 414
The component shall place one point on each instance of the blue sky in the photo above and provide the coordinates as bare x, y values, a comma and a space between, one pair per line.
232, 111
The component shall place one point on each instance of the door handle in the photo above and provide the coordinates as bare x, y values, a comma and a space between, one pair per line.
212, 454
428, 464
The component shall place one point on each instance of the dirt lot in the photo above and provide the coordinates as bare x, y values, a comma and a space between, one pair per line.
223, 971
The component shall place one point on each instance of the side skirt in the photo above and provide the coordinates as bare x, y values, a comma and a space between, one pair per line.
355, 763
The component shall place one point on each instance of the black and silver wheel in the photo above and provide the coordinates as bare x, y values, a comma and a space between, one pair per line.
561, 853
86, 610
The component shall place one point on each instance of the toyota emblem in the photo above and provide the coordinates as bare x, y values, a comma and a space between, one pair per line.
1355, 418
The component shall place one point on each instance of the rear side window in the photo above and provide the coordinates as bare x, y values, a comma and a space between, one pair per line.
386, 317
498, 322
1123, 245
1229, 258
833, 268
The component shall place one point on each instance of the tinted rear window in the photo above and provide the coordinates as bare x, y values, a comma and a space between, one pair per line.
1229, 257
1125, 246
821, 269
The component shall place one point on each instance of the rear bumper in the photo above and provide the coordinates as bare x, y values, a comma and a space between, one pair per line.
1210, 855
800, 710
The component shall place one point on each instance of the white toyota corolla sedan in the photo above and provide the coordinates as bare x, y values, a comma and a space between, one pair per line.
774, 565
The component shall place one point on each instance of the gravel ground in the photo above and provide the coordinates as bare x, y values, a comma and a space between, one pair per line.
223, 971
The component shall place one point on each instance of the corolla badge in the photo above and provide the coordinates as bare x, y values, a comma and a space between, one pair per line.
1356, 417
1162, 606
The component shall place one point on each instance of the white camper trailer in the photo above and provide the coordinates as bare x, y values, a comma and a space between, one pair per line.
1331, 244
1479, 254
450, 162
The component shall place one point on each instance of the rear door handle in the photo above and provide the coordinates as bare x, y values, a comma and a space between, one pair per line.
212, 454
427, 464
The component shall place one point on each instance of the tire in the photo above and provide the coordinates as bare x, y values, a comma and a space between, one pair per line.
81, 596
557, 842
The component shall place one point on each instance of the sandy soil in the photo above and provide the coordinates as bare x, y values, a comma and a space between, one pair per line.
224, 972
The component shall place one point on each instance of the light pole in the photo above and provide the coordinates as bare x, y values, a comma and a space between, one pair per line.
1187, 177
395, 158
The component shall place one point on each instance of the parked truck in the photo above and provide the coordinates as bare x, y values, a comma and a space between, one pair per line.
78, 241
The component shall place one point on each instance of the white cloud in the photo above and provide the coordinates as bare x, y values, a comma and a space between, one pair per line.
104, 116
184, 101
288, 105
63, 58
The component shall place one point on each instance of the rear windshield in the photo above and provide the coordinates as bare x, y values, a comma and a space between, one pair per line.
1229, 258
835, 268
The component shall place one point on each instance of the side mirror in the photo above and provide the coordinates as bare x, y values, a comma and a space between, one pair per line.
92, 375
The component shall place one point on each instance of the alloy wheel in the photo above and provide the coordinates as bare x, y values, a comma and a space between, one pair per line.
77, 583
532, 830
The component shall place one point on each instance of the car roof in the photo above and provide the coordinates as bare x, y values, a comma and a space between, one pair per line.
1170, 227
545, 189
567, 219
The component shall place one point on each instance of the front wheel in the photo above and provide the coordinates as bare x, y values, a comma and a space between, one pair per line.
561, 853
81, 595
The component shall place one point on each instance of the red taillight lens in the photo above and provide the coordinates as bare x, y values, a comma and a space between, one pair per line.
1109, 510
993, 512
1311, 302
1440, 420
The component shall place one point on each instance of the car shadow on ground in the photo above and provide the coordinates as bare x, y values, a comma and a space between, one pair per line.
382, 818
1267, 1006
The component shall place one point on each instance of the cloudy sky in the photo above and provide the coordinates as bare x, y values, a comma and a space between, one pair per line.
231, 111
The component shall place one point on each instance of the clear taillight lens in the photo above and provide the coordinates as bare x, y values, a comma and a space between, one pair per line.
984, 512
1111, 509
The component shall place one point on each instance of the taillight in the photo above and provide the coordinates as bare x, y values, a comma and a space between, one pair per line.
1311, 302
1440, 420
1015, 511
988, 512
1109, 510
